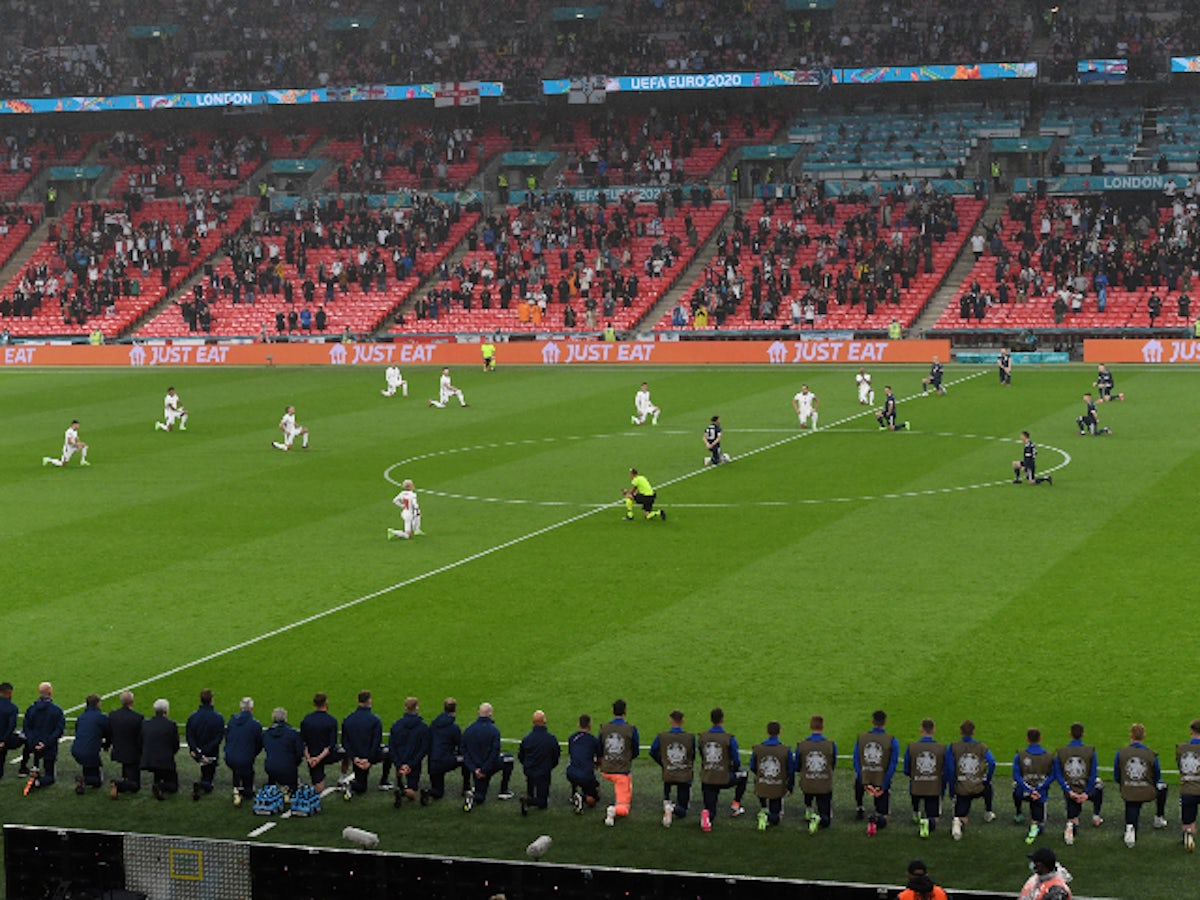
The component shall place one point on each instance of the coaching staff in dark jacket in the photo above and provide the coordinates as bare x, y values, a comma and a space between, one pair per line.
91, 736
362, 738
482, 757
45, 723
445, 750
539, 754
125, 723
160, 743
283, 750
408, 745
205, 730
243, 743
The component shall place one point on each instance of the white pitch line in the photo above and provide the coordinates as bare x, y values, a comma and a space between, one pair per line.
448, 567
261, 829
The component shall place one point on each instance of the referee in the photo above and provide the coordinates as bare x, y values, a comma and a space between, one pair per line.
641, 493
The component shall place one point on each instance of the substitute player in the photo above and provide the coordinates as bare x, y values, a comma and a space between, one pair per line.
805, 403
934, 379
644, 407
71, 444
886, 417
173, 412
712, 442
1104, 384
395, 381
641, 493
1027, 464
410, 512
866, 393
290, 430
446, 391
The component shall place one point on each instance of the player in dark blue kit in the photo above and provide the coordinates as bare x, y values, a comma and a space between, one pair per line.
1028, 463
712, 441
584, 751
886, 417
934, 380
1089, 422
1104, 384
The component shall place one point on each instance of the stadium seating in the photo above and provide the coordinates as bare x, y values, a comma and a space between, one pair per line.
1108, 135
520, 318
1126, 306
354, 309
771, 224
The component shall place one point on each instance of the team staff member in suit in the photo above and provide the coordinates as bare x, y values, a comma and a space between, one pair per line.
92, 735
970, 767
10, 737
583, 754
1187, 758
160, 743
1136, 770
362, 737
720, 768
675, 751
620, 746
816, 757
1033, 773
876, 755
539, 754
125, 723
45, 723
886, 417
445, 750
774, 766
283, 749
319, 731
925, 766
204, 731
408, 745
243, 743
483, 759
1077, 771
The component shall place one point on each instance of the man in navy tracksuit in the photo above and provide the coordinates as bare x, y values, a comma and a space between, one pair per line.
45, 723
483, 759
539, 754
283, 749
243, 743
362, 736
319, 730
204, 731
10, 738
584, 752
91, 736
408, 745
445, 750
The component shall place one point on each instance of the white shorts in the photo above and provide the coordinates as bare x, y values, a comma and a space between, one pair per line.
68, 451
864, 393
446, 395
804, 413
170, 415
411, 519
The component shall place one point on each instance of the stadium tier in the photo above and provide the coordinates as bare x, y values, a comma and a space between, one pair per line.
1095, 141
288, 265
563, 268
1047, 260
829, 265
94, 271
1177, 144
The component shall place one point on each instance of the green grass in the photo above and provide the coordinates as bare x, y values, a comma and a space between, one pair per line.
833, 573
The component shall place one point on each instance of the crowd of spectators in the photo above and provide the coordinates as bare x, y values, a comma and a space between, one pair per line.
1146, 34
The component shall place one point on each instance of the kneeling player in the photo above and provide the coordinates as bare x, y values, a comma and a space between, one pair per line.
643, 495
290, 430
394, 381
1027, 464
712, 443
886, 417
1104, 384
934, 379
172, 412
71, 444
866, 394
410, 512
805, 403
1089, 422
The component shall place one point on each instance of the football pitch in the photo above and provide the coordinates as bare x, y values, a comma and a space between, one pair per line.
832, 572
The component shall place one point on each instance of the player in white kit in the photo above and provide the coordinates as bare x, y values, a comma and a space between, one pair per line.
805, 403
290, 429
172, 412
394, 380
641, 402
447, 390
866, 393
71, 444
410, 512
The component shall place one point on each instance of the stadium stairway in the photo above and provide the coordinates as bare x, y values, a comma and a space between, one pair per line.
952, 284
688, 277
17, 262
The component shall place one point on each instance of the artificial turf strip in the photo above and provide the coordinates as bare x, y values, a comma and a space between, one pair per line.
776, 588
